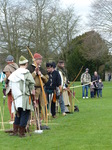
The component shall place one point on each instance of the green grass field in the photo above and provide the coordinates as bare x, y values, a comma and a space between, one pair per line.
88, 129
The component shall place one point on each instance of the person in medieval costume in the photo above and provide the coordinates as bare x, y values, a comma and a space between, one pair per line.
64, 96
9, 68
21, 83
36, 72
51, 86
59, 94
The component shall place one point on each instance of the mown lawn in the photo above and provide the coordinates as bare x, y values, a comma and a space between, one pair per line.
88, 129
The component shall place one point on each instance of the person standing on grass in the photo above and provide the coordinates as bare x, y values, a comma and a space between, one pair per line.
37, 71
50, 88
100, 87
92, 89
85, 81
64, 97
21, 83
52, 85
95, 79
59, 93
9, 68
109, 76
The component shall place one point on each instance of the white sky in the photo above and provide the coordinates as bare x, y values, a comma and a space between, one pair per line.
82, 8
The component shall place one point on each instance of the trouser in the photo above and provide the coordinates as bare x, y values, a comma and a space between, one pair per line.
96, 92
53, 108
23, 117
92, 94
49, 94
85, 87
10, 105
61, 102
100, 92
4, 92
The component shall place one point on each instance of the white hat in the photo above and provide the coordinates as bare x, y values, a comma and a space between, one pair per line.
22, 60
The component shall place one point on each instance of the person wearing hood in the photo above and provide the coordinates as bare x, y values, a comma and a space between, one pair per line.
21, 83
9, 68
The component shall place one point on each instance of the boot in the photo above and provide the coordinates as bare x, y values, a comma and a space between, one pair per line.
15, 130
22, 131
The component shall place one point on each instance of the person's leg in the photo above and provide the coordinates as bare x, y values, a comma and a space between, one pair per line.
101, 93
83, 91
47, 95
61, 102
97, 93
16, 123
24, 117
94, 92
50, 100
53, 112
4, 92
86, 91
23, 122
10, 105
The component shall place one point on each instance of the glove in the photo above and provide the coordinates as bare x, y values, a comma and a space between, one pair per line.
81, 83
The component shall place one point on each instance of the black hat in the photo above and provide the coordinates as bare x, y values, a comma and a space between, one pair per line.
48, 64
53, 65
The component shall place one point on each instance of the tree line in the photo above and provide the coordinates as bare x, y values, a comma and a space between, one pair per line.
49, 29
42, 25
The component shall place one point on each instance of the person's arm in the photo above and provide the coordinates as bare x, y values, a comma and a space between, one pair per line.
59, 81
89, 78
82, 78
61, 78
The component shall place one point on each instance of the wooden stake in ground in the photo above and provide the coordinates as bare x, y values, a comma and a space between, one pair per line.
38, 117
2, 118
35, 113
4, 97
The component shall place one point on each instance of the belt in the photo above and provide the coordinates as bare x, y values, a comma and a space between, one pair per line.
36, 87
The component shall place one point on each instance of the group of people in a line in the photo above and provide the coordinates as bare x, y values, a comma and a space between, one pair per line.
24, 84
94, 83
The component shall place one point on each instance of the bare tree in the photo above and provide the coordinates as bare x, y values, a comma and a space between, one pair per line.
40, 24
11, 32
66, 28
101, 17
52, 27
